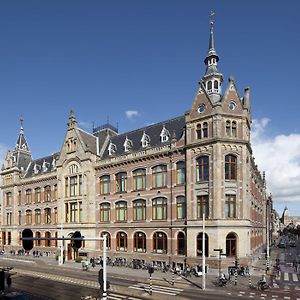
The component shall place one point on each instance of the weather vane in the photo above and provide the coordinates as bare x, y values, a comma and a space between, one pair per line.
211, 16
21, 121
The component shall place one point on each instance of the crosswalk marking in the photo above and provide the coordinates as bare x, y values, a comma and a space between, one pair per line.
286, 276
295, 277
157, 289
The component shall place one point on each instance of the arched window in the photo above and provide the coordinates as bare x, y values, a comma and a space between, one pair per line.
230, 167
199, 132
139, 179
121, 182
139, 242
104, 212
228, 128
205, 130
139, 210
47, 242
180, 207
38, 236
180, 172
202, 169
233, 128
159, 208
121, 241
209, 86
104, 184
28, 217
160, 243
121, 211
159, 176
200, 244
28, 196
216, 85
47, 212
108, 240
181, 244
37, 216
231, 244
47, 193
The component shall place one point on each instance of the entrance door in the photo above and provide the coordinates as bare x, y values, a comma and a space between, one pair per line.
70, 250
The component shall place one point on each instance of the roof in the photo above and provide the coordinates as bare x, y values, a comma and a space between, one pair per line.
175, 127
89, 140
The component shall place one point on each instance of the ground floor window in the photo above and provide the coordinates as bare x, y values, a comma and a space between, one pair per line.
160, 242
200, 244
139, 242
231, 244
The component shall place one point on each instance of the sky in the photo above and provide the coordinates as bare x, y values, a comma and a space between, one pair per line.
138, 62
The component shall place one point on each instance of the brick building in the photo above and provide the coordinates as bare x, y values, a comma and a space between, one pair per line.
147, 189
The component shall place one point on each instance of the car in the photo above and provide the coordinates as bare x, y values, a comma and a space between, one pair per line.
292, 243
281, 245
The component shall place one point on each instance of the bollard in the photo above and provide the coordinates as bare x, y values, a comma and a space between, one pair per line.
235, 276
173, 276
150, 287
250, 283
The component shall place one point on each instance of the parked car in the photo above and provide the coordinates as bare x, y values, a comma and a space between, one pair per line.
281, 245
292, 243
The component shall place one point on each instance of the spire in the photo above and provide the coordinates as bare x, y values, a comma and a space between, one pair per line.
21, 143
72, 123
212, 78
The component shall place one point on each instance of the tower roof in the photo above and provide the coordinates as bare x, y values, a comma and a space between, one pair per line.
21, 143
211, 47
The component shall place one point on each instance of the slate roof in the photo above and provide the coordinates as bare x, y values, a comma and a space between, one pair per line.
89, 140
174, 126
41, 165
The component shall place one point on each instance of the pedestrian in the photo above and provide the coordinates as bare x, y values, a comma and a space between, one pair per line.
8, 281
93, 263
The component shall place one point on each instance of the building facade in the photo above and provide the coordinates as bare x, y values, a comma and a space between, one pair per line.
147, 189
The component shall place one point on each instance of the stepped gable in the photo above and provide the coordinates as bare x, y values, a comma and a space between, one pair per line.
174, 126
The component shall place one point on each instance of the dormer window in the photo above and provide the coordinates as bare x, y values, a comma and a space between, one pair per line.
145, 140
36, 169
164, 135
112, 148
45, 166
127, 144
53, 164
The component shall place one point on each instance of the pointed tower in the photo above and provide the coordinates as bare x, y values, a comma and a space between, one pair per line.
21, 153
72, 123
212, 78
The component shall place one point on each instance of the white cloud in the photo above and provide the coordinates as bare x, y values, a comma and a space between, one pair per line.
279, 157
130, 114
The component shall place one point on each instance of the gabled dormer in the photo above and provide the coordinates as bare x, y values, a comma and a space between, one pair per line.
127, 144
164, 135
145, 141
112, 148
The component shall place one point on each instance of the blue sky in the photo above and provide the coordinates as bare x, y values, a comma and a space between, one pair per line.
105, 58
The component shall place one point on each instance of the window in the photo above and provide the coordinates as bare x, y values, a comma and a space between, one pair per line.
216, 85
37, 195
121, 241
8, 218
202, 169
104, 212
28, 217
19, 197
199, 132
159, 176
47, 242
202, 206
209, 87
104, 184
127, 144
108, 240
230, 167
37, 216
164, 135
160, 243
181, 244
112, 149
228, 128
231, 128
28, 196
121, 211
231, 244
55, 215
47, 215
139, 242
202, 131
180, 207
121, 182
75, 212
8, 198
47, 193
139, 210
145, 140
73, 186
159, 209
37, 242
230, 206
55, 192
205, 130
180, 172
73, 169
19, 217
139, 180
200, 244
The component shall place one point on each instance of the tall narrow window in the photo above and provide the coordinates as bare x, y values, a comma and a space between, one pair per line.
160, 243
180, 207
73, 186
159, 176
28, 196
37, 195
38, 242
47, 236
55, 192
28, 217
205, 130
180, 172
55, 215
108, 240
74, 212
181, 244
121, 241
231, 244
200, 244
19, 198
233, 128
202, 206
19, 218
8, 198
139, 242
230, 206
47, 215
121, 211
104, 184
139, 180
37, 216
47, 193
202, 169
228, 128
139, 210
121, 182
104, 212
159, 209
199, 132
230, 167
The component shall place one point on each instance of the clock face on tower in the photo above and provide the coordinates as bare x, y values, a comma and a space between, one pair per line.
232, 105
201, 108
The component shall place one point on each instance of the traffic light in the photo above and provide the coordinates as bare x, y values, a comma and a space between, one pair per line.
76, 243
101, 281
27, 244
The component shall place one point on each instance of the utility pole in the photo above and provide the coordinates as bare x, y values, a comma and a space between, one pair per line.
203, 253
